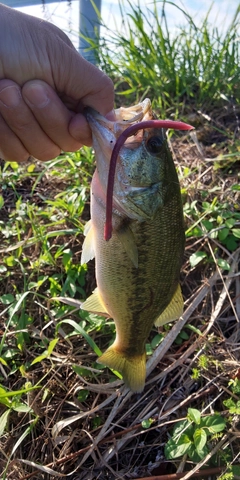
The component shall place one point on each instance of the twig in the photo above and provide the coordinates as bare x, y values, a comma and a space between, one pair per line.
175, 476
123, 395
226, 284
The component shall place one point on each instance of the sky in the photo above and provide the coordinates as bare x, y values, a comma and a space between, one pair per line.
66, 16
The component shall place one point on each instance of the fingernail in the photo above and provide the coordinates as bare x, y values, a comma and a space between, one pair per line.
10, 96
111, 116
36, 96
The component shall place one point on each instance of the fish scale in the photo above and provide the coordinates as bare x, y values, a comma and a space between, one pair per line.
137, 269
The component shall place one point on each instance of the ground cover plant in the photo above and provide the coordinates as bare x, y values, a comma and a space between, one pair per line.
61, 414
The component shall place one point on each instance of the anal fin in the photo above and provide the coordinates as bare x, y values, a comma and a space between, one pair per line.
173, 311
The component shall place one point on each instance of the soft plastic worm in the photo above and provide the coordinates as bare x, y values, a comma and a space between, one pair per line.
113, 161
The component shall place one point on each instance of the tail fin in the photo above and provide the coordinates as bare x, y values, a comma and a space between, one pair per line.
133, 369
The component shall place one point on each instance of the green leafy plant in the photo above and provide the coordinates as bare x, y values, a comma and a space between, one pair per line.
182, 337
232, 404
12, 400
191, 73
157, 339
47, 353
215, 220
147, 423
233, 472
191, 436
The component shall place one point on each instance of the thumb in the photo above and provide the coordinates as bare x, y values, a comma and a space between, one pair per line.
81, 82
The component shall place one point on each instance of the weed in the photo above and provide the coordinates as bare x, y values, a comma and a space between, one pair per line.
233, 472
193, 435
13, 402
232, 404
173, 69
193, 72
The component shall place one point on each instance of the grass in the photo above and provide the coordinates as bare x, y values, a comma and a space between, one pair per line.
61, 413
197, 67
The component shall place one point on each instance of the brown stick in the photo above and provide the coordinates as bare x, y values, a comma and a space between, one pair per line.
176, 476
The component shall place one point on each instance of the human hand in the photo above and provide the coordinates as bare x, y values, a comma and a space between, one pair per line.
44, 86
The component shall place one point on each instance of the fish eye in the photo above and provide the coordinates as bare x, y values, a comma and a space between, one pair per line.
154, 144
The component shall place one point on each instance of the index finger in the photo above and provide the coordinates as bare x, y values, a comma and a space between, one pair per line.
82, 82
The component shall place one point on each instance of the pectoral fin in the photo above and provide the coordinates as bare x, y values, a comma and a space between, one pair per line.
88, 248
94, 304
173, 311
127, 240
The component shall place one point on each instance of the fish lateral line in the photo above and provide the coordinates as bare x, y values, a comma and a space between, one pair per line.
176, 125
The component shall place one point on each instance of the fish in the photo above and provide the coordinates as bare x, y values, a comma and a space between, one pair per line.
138, 244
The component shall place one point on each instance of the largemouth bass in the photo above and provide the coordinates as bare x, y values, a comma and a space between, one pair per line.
137, 269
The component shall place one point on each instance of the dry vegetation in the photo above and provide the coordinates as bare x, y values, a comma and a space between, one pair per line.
84, 424
81, 422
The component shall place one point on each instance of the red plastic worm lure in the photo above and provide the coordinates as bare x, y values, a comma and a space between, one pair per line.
113, 161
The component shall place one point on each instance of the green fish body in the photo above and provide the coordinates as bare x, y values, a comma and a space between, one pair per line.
137, 270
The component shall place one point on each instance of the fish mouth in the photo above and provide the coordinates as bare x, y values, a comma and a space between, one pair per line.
105, 132
123, 115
